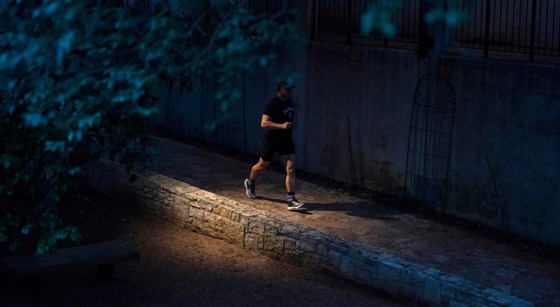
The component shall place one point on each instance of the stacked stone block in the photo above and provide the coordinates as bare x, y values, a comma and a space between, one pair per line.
246, 227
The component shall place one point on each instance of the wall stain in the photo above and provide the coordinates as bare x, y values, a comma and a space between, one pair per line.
496, 193
329, 158
471, 198
379, 176
382, 142
350, 151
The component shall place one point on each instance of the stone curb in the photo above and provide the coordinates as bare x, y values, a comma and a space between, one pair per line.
244, 226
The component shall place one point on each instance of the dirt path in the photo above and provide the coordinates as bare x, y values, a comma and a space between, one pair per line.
182, 268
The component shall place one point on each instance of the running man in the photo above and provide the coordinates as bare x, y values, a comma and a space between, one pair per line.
278, 120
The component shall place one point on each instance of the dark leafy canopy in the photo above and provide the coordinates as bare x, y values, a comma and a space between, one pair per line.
379, 15
78, 82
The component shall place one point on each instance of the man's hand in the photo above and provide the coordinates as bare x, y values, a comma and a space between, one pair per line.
287, 125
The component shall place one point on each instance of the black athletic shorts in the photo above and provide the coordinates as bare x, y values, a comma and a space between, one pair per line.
282, 147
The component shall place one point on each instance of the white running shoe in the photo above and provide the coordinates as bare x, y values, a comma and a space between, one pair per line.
250, 189
293, 204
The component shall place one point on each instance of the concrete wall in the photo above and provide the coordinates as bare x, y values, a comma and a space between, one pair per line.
355, 114
505, 166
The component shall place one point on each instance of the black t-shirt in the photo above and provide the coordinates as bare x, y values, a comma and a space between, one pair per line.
279, 112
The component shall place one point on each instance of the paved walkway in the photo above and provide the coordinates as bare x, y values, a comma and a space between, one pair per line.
406, 235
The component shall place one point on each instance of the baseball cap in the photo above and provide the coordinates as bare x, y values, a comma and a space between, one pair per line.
284, 83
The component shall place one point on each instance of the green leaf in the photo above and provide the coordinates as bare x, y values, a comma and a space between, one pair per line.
25, 230
51, 8
35, 119
6, 161
14, 245
378, 18
61, 234
454, 17
55, 145
75, 236
74, 171
368, 22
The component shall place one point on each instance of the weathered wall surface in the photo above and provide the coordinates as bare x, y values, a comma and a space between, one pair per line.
505, 167
354, 105
355, 114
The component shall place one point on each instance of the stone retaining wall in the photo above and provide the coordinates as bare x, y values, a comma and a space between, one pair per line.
246, 227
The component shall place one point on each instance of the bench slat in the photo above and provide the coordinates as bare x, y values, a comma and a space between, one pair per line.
72, 257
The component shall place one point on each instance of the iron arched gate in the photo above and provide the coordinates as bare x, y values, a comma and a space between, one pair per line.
429, 141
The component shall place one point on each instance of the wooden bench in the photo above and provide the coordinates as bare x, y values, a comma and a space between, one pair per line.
103, 255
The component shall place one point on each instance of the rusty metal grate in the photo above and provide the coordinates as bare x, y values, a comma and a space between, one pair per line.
429, 142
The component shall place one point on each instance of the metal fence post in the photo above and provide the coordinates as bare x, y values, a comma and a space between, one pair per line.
348, 21
533, 28
487, 29
314, 19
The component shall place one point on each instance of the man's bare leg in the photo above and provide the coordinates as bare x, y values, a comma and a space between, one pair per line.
257, 168
253, 175
290, 164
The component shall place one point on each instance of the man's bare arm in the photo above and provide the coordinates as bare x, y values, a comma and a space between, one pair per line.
268, 124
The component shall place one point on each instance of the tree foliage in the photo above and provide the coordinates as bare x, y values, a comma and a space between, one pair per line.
79, 82
379, 14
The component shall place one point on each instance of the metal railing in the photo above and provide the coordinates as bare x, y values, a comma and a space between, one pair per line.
263, 6
343, 18
529, 27
520, 26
